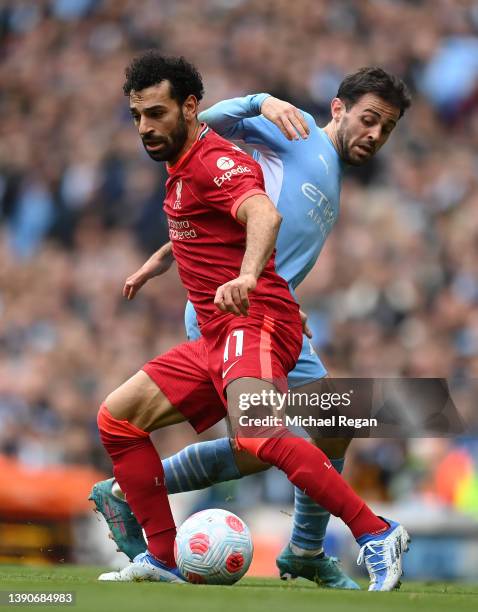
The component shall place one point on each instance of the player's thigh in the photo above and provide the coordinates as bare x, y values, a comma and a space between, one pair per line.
140, 401
182, 374
246, 391
251, 398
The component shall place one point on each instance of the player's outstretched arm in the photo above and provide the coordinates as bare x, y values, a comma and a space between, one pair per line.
262, 223
157, 264
226, 117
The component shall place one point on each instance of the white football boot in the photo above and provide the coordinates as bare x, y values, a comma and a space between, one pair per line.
144, 567
383, 555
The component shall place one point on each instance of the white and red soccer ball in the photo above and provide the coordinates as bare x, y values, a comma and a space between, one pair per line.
213, 547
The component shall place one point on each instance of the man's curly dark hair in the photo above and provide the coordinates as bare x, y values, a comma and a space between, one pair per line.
152, 68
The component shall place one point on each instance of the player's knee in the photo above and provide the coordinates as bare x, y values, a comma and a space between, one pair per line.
135, 395
246, 456
116, 405
140, 402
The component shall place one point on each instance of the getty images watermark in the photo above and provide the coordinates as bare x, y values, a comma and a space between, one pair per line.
359, 407
314, 401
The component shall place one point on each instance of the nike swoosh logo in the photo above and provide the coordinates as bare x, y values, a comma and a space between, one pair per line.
327, 465
224, 374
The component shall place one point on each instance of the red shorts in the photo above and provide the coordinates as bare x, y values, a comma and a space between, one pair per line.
194, 375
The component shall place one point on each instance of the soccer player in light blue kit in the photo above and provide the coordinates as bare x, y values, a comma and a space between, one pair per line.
302, 166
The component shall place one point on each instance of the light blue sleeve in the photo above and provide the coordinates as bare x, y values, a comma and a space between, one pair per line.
191, 322
259, 132
226, 117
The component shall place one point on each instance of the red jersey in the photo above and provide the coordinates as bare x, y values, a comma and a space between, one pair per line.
203, 193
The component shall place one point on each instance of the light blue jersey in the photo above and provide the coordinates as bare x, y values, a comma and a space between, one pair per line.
303, 179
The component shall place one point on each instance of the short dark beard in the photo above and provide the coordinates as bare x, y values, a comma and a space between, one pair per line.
344, 151
342, 144
174, 143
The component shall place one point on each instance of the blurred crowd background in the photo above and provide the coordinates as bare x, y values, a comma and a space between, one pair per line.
395, 292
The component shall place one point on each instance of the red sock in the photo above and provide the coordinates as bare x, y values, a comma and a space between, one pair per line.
138, 469
308, 468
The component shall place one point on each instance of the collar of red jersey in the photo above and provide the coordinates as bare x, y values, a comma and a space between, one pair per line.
202, 132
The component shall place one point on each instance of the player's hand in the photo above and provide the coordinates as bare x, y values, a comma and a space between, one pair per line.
286, 117
157, 264
134, 283
305, 328
234, 295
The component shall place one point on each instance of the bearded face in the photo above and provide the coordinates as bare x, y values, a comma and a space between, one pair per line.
364, 128
160, 120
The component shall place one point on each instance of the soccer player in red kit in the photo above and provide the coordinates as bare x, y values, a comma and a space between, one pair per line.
223, 229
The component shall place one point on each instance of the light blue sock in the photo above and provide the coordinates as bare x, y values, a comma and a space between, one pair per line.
200, 465
310, 519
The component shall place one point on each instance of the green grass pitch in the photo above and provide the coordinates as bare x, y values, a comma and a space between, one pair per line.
249, 595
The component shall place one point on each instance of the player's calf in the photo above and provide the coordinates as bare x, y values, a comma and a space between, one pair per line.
124, 423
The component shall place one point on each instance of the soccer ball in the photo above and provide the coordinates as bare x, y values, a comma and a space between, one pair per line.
213, 547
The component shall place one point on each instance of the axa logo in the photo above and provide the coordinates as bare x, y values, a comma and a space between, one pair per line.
225, 163
227, 176
179, 188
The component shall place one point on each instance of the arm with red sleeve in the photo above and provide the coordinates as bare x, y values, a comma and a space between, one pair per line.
240, 191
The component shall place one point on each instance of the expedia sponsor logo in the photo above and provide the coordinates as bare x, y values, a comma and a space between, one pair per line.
227, 176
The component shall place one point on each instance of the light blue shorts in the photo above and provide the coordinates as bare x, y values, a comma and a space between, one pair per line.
308, 367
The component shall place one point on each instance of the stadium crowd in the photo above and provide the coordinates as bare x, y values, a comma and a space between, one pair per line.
395, 291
